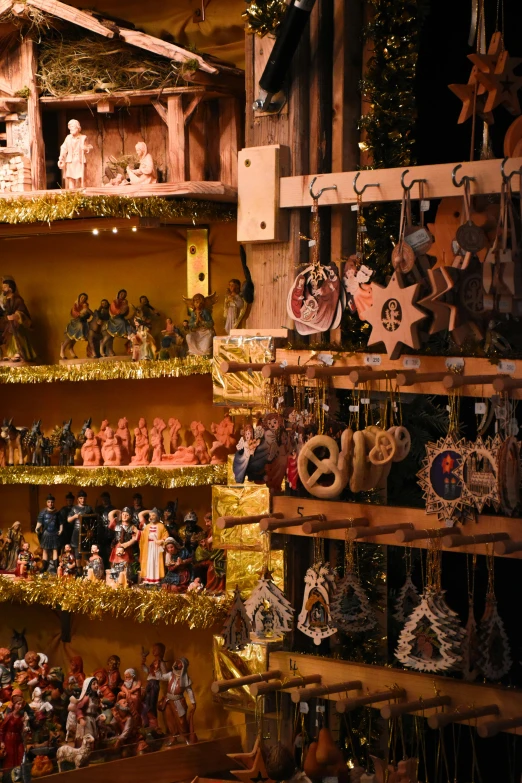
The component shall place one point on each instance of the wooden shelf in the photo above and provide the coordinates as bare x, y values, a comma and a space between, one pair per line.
379, 678
127, 97
387, 515
105, 370
427, 364
126, 476
210, 191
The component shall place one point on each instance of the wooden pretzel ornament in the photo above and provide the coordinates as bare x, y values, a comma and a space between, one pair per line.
402, 440
384, 448
336, 463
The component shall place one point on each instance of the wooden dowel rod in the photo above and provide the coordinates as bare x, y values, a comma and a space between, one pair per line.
456, 539
272, 524
507, 547
304, 694
360, 376
411, 377
453, 381
225, 685
334, 524
226, 367
276, 371
329, 372
223, 523
441, 719
504, 383
259, 689
347, 705
404, 536
393, 710
378, 530
494, 727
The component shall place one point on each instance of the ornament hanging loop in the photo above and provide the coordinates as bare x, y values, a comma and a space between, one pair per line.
407, 188
317, 196
368, 185
465, 179
506, 178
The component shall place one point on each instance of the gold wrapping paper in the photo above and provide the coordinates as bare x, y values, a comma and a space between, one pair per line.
171, 478
228, 664
238, 501
241, 388
96, 599
65, 206
106, 370
244, 569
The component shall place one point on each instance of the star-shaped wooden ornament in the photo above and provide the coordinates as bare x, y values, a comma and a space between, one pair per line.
466, 93
503, 84
393, 316
256, 774
486, 63
444, 313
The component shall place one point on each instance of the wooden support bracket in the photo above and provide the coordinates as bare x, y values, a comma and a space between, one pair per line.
259, 170
280, 371
379, 530
494, 727
226, 367
456, 539
394, 710
441, 719
347, 705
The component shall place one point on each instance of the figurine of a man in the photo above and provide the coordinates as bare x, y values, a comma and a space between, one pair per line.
77, 511
72, 156
146, 173
50, 525
179, 717
15, 325
95, 569
104, 534
64, 513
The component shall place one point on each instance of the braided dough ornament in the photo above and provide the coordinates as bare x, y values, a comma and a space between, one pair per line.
383, 450
336, 464
402, 440
373, 471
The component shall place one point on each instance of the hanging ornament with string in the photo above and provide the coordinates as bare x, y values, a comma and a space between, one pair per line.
494, 651
316, 298
269, 611
408, 597
470, 651
237, 627
315, 619
356, 275
351, 610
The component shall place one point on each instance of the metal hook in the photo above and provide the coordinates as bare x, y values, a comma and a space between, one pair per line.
412, 183
464, 179
369, 185
317, 196
508, 177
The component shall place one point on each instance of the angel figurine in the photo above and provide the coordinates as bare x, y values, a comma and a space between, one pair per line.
201, 325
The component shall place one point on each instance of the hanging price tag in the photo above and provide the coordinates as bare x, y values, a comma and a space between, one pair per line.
355, 207
424, 205
372, 359
506, 368
303, 708
311, 243
353, 408
320, 708
311, 400
411, 362
480, 408
365, 401
454, 361
325, 407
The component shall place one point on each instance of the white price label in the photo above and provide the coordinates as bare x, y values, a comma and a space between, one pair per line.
325, 407
311, 243
454, 361
311, 400
353, 408
326, 358
319, 708
506, 368
411, 362
424, 205
303, 707
480, 408
372, 359
448, 523
365, 401
355, 207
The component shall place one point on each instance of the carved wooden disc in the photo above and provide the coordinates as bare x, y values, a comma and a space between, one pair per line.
403, 257
470, 237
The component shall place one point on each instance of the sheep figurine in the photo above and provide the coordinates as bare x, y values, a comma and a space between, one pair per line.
76, 756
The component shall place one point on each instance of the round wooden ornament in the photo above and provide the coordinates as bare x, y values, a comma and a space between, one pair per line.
441, 482
478, 471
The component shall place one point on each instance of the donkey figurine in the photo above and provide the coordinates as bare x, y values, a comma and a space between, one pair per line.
14, 438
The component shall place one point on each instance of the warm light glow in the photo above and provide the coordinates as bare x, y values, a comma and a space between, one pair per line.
134, 228
95, 231
114, 230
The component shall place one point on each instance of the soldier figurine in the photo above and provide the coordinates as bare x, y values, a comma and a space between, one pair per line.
50, 525
64, 513
74, 518
137, 507
104, 533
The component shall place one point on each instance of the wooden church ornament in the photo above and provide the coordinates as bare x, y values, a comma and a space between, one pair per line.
315, 619
350, 608
394, 317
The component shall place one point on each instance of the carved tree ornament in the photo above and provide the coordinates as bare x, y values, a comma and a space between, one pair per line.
394, 317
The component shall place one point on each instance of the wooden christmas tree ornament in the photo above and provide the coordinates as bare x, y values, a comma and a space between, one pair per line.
237, 628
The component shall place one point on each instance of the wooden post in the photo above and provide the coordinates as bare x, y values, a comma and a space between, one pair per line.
228, 140
197, 144
28, 70
176, 139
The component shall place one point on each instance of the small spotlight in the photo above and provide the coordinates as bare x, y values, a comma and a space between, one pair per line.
114, 230
134, 228
95, 232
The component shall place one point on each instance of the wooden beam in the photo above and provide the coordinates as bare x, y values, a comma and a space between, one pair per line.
191, 108
229, 124
105, 106
197, 145
161, 109
163, 48
416, 685
76, 226
378, 515
73, 15
176, 144
29, 70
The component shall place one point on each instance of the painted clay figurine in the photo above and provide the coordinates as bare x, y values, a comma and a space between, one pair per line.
212, 560
234, 306
156, 441
49, 523
179, 717
172, 340
77, 330
67, 444
130, 690
119, 573
118, 324
141, 447
155, 672
174, 428
201, 325
39, 446
90, 451
199, 445
14, 439
67, 562
225, 442
123, 433
143, 347
95, 567
125, 533
24, 561
80, 509
111, 450
72, 156
153, 535
145, 174
88, 709
14, 541
15, 325
96, 330
178, 566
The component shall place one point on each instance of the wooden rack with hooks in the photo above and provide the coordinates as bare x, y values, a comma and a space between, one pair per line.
348, 705
333, 524
220, 686
225, 523
261, 689
355, 533
454, 540
320, 691
275, 524
405, 708
441, 719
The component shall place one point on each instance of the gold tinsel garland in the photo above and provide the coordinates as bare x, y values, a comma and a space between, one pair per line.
106, 370
169, 478
263, 17
66, 206
96, 599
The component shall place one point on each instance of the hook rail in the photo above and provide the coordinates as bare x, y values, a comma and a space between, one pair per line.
259, 689
269, 523
304, 694
334, 524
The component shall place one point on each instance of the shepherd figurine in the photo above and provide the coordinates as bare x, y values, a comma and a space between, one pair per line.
72, 156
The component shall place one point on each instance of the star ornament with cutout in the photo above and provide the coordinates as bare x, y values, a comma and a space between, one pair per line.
442, 483
394, 317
